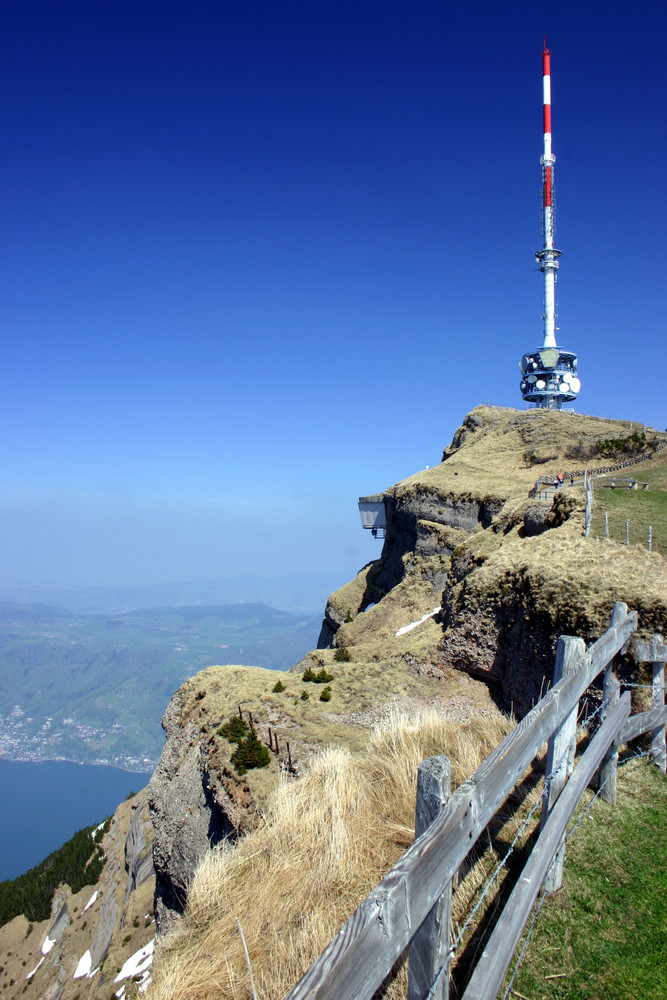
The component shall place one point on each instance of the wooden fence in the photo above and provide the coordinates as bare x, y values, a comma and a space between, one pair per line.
588, 516
410, 906
582, 475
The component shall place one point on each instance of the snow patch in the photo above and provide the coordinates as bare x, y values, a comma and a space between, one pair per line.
137, 963
48, 945
31, 974
408, 628
120, 993
90, 902
84, 966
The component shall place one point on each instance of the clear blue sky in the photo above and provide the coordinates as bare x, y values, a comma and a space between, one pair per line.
260, 258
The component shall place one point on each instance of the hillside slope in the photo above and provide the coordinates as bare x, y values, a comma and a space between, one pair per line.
89, 936
460, 613
464, 606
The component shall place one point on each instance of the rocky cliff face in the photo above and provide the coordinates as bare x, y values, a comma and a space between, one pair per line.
465, 603
191, 810
475, 580
509, 574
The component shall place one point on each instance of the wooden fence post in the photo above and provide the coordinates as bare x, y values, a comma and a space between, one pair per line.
560, 752
658, 749
655, 653
429, 946
611, 692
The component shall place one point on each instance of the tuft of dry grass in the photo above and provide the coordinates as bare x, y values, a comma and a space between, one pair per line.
326, 840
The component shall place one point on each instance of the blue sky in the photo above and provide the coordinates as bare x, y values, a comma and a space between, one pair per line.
260, 258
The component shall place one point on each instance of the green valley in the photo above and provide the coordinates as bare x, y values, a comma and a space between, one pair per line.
92, 687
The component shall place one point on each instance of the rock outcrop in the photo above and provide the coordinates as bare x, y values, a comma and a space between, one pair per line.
508, 573
474, 584
186, 816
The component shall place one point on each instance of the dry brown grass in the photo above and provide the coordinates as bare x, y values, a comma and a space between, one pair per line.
493, 461
327, 839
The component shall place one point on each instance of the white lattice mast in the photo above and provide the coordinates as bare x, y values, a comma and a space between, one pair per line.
549, 373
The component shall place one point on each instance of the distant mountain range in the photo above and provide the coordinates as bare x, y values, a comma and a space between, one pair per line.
93, 687
296, 592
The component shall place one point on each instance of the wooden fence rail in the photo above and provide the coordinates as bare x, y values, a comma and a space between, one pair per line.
491, 968
585, 474
418, 887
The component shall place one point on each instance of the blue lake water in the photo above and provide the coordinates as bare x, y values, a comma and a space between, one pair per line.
43, 805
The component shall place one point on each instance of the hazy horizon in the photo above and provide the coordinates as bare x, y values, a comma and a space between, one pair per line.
295, 593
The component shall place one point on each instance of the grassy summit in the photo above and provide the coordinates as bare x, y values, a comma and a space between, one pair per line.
500, 452
462, 608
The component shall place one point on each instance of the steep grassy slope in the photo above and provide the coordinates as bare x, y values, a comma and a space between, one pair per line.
321, 846
300, 720
509, 573
640, 507
475, 580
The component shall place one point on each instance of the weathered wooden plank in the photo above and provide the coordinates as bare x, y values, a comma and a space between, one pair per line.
560, 753
611, 692
495, 960
430, 945
358, 958
654, 651
642, 722
658, 750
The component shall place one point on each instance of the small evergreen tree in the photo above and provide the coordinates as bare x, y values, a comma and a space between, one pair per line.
250, 753
234, 730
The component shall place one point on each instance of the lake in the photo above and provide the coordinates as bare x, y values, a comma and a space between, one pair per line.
43, 805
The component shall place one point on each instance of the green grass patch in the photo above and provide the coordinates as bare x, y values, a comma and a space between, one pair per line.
604, 932
653, 472
640, 508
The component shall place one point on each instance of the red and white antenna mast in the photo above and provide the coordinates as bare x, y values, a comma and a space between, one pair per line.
548, 373
548, 256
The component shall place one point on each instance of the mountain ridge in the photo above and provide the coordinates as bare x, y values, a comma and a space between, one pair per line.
459, 613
